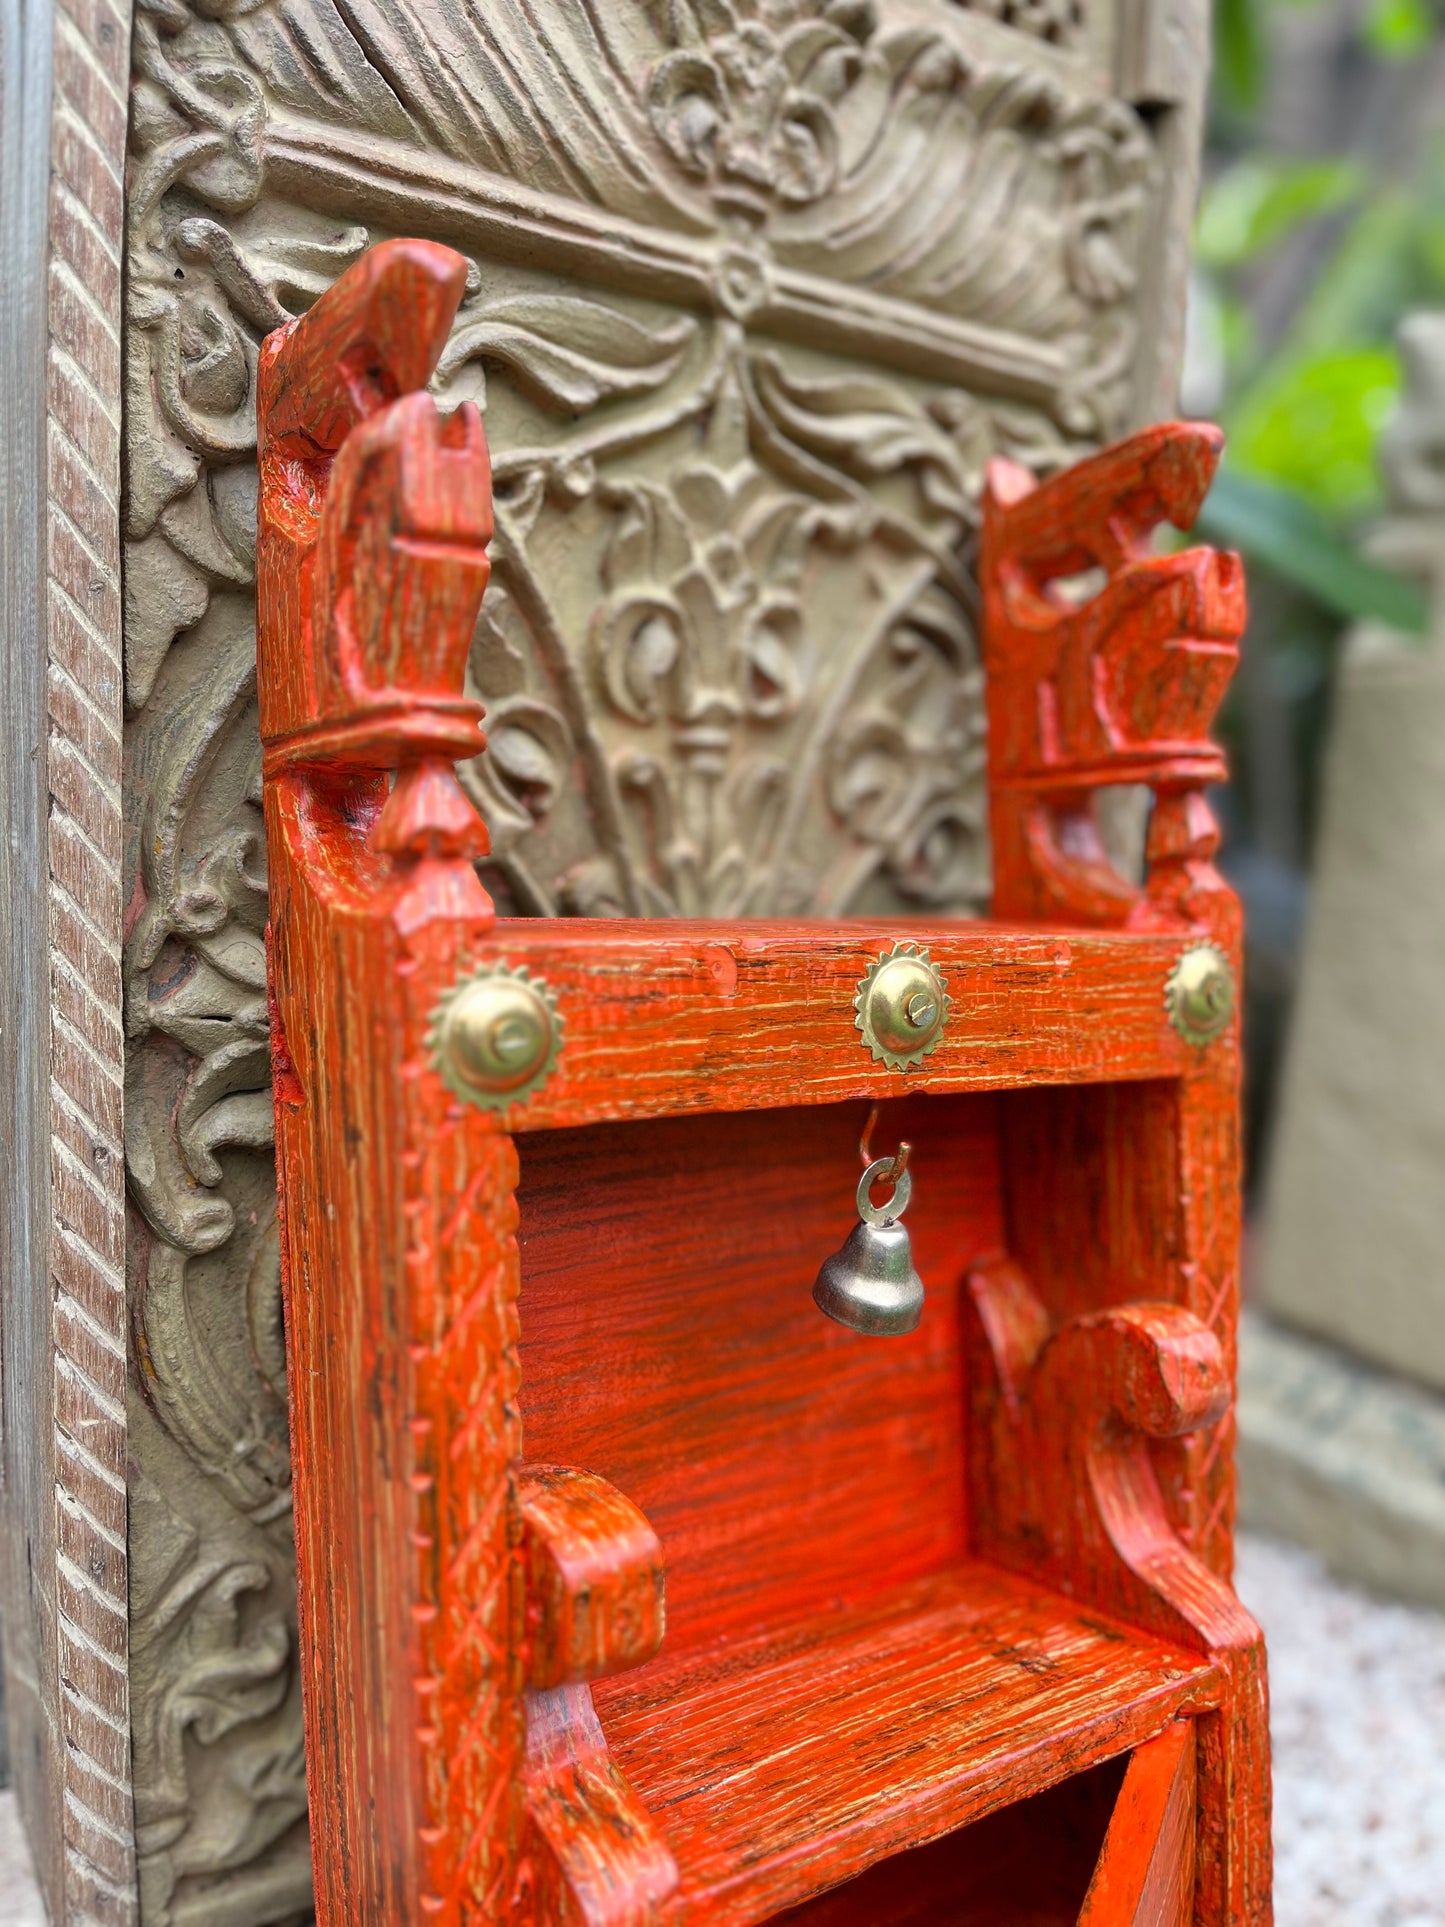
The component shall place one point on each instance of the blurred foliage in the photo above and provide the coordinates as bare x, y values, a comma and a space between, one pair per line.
1304, 401
1281, 529
1322, 224
1396, 29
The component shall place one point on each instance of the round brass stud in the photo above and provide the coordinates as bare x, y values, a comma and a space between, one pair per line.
902, 1006
495, 1037
1199, 995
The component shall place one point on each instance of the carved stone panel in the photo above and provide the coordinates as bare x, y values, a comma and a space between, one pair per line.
757, 287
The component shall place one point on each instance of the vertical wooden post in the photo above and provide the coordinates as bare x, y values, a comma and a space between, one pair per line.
1106, 665
400, 1260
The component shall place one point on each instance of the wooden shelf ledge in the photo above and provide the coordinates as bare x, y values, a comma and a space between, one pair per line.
778, 1768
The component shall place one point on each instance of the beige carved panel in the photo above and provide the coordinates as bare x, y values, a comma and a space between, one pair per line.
757, 287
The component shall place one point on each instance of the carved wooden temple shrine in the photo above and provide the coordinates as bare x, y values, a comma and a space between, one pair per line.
584, 638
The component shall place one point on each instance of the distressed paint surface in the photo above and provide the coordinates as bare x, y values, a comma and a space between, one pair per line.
1145, 1873
942, 1610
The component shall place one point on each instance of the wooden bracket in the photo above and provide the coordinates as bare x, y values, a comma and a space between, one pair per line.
1064, 1483
595, 1606
1063, 1487
595, 1597
592, 1855
1106, 664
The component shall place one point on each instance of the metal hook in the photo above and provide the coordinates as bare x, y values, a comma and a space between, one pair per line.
900, 1156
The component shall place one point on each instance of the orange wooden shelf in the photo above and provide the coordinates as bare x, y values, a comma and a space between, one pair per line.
923, 1711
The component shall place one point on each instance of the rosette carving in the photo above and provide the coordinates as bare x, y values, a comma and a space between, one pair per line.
746, 103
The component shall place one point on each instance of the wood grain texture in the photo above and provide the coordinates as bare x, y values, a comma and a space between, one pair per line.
401, 1266
595, 1595
778, 1767
1180, 1163
670, 1342
66, 1605
1027, 1865
713, 1016
1145, 1875
591, 1854
844, 1677
1066, 1489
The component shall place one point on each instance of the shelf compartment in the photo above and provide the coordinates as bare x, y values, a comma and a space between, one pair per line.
1028, 1865
777, 1768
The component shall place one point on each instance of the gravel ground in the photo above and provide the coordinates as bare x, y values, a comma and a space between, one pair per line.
1358, 1691
19, 1899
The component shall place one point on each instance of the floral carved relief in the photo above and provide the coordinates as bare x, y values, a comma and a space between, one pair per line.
757, 288
746, 102
759, 693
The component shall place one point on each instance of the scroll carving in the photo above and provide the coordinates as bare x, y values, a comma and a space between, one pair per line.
1063, 1482
747, 373
1107, 664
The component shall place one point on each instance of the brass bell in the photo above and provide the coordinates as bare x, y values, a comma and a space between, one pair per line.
871, 1285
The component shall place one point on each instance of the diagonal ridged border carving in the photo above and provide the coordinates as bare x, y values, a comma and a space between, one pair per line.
66, 1599
87, 1252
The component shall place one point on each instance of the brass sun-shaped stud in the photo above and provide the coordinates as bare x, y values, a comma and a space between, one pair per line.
903, 1005
1199, 994
495, 1036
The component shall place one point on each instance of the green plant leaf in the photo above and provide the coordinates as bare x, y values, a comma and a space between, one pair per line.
1398, 29
1239, 52
1310, 422
1262, 198
1276, 530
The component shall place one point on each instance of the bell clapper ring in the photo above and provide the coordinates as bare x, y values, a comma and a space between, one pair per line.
892, 1171
871, 1285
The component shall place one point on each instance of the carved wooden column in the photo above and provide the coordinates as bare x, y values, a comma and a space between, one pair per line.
63, 1312
1106, 665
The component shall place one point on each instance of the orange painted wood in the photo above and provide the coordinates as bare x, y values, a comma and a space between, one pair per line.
590, 1854
1027, 1865
1072, 1495
670, 1342
399, 1267
594, 1578
1145, 1875
663, 1019
906, 1580
1119, 687
922, 1711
